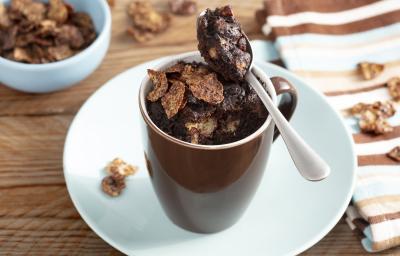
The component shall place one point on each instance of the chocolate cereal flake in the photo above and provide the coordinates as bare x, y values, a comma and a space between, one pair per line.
394, 88
174, 99
71, 36
33, 11
395, 154
183, 7
22, 55
57, 11
160, 84
146, 21
113, 186
177, 68
4, 19
370, 70
207, 88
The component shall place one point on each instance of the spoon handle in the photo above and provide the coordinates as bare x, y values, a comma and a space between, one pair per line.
310, 165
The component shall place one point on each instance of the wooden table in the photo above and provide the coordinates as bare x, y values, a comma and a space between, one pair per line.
37, 215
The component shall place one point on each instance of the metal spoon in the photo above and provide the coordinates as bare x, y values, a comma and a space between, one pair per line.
309, 164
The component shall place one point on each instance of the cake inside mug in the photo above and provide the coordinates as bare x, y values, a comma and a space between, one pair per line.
204, 104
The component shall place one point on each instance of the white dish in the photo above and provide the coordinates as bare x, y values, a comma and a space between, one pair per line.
287, 215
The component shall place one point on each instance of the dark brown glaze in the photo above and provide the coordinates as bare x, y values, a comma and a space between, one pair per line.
205, 189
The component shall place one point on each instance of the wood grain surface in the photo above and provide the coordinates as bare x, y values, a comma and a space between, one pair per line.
37, 216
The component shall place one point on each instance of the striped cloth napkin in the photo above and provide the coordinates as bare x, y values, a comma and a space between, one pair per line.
323, 41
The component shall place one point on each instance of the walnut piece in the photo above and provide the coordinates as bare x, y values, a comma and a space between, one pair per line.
370, 70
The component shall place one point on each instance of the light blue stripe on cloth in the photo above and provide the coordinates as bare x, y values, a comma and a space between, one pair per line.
264, 50
366, 242
341, 62
376, 189
340, 40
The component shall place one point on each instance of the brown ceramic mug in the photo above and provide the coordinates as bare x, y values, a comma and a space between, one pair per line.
202, 188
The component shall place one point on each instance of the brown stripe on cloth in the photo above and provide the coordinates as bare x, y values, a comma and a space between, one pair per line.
377, 200
285, 7
380, 159
383, 217
365, 138
278, 62
348, 28
354, 91
361, 224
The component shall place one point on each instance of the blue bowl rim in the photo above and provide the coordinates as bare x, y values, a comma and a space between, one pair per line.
71, 60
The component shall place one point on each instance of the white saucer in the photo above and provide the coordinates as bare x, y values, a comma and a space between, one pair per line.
287, 216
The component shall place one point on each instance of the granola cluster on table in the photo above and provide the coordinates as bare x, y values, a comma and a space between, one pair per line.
35, 32
373, 118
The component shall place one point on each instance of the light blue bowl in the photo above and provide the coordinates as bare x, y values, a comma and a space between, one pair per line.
43, 78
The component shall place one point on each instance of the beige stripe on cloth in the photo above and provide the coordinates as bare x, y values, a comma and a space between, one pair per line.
375, 214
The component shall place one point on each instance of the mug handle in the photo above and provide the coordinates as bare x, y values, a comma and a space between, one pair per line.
288, 102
